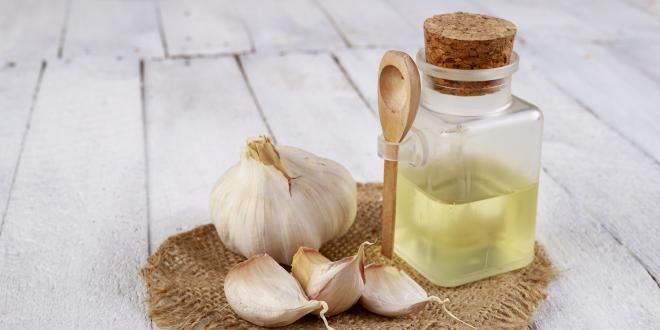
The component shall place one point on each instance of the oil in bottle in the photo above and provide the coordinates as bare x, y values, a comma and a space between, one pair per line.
457, 224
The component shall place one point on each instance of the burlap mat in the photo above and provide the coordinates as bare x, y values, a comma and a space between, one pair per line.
185, 284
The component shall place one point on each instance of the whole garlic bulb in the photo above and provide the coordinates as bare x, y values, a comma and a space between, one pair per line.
277, 199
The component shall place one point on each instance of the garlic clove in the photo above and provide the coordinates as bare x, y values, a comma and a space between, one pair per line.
304, 262
391, 292
260, 291
339, 283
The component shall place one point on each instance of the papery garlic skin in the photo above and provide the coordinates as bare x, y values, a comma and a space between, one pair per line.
339, 283
277, 199
260, 291
391, 292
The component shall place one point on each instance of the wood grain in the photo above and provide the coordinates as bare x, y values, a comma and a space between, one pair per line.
644, 58
288, 25
600, 285
370, 23
615, 19
18, 83
112, 29
389, 208
587, 71
415, 12
609, 176
30, 29
75, 231
557, 22
202, 27
362, 68
198, 115
310, 104
651, 6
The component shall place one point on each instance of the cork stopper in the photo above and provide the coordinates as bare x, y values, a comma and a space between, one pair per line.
467, 41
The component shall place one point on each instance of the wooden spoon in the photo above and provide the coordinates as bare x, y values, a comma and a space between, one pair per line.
398, 100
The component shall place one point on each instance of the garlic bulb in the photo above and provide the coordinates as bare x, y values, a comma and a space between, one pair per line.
391, 292
259, 290
339, 283
277, 199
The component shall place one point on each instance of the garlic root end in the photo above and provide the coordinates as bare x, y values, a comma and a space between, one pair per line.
443, 302
324, 309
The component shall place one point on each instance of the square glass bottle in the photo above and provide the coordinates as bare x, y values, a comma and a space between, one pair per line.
468, 176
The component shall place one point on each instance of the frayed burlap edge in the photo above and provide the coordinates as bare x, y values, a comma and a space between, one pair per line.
184, 280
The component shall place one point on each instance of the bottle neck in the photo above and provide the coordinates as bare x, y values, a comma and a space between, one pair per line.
461, 93
477, 102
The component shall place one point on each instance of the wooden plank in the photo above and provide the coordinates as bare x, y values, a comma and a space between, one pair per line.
643, 54
76, 228
198, 27
600, 285
631, 103
199, 113
651, 6
370, 23
310, 104
362, 67
579, 245
556, 22
618, 93
18, 84
112, 29
287, 25
415, 12
616, 19
30, 29
614, 180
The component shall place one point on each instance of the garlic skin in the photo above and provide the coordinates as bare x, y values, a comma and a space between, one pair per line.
260, 291
277, 199
339, 283
391, 292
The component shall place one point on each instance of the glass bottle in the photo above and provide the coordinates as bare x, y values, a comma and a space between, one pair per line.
468, 176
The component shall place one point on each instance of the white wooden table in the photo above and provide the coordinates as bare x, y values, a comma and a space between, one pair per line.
117, 116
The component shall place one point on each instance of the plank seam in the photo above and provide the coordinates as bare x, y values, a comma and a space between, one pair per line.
586, 108
603, 226
234, 54
143, 105
353, 84
641, 262
333, 23
254, 97
161, 29
253, 48
63, 30
33, 102
202, 56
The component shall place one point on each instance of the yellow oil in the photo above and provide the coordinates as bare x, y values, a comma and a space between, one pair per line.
458, 224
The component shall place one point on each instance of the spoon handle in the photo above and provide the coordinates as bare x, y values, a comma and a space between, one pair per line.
389, 208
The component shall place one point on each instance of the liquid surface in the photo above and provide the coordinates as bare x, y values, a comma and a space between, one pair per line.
460, 224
